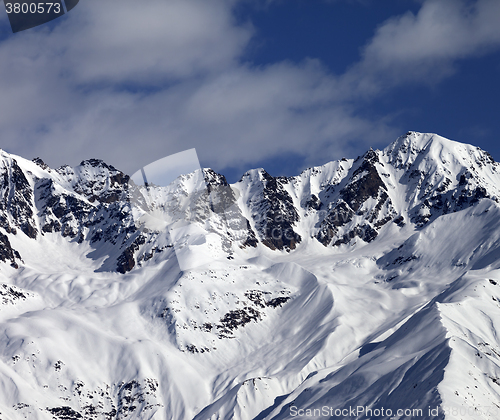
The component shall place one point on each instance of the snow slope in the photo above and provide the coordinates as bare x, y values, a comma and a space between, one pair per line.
362, 284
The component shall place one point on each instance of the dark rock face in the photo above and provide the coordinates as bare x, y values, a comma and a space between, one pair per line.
17, 200
126, 260
313, 203
7, 254
364, 183
251, 239
275, 215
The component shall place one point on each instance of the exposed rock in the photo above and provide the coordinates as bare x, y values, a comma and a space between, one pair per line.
275, 214
7, 254
41, 163
92, 201
313, 203
64, 413
126, 261
10, 294
16, 200
365, 183
235, 319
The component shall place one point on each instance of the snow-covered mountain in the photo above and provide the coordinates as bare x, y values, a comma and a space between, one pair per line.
367, 284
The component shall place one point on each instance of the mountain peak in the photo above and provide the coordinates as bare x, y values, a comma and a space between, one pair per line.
97, 163
422, 149
420, 141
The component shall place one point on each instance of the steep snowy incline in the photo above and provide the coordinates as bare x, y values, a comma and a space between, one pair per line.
441, 354
370, 282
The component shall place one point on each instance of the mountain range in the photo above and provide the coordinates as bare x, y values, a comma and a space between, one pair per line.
364, 288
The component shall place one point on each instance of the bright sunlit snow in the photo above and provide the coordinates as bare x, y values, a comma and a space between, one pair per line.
206, 326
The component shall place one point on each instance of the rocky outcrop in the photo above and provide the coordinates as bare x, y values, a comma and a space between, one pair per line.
16, 200
352, 200
274, 213
7, 254
416, 179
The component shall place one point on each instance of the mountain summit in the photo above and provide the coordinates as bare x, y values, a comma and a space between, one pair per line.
367, 284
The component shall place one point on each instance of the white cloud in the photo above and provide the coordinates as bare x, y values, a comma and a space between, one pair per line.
78, 91
425, 46
148, 41
234, 118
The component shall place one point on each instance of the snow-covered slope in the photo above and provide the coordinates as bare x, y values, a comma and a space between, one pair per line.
362, 284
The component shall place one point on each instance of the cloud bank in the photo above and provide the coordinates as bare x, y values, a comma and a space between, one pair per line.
134, 83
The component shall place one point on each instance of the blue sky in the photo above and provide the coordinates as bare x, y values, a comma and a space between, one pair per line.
279, 84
